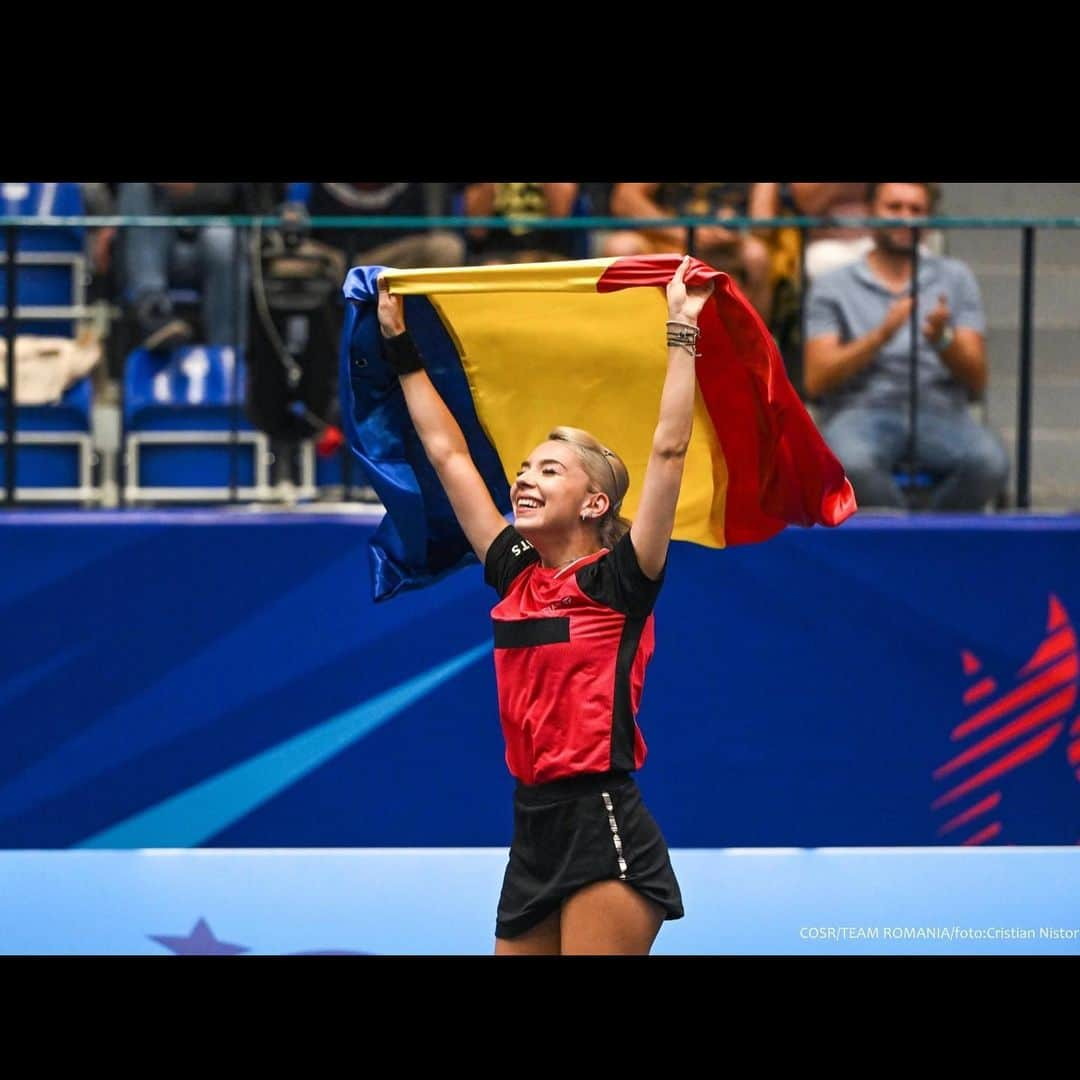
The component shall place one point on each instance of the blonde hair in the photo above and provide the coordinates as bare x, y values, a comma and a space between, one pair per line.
607, 472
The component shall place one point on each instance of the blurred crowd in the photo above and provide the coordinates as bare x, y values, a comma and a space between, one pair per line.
837, 299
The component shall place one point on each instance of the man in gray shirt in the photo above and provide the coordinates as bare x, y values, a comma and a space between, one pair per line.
858, 365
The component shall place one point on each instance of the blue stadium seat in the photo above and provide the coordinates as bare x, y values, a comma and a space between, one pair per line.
52, 264
54, 455
917, 487
179, 410
330, 471
921, 479
326, 475
54, 459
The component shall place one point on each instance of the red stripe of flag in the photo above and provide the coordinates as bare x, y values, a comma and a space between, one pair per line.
780, 471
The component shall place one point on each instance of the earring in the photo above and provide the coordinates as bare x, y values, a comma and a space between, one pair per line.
584, 517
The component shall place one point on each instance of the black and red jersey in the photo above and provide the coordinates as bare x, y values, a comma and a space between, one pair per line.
571, 647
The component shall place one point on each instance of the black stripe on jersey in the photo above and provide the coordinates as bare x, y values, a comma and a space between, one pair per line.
524, 633
509, 554
622, 719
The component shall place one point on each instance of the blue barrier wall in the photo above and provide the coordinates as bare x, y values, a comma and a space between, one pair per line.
185, 679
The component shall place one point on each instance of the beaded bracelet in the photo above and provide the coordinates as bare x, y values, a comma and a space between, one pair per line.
683, 335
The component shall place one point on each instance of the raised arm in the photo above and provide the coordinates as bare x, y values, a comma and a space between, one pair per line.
651, 531
560, 199
441, 435
764, 203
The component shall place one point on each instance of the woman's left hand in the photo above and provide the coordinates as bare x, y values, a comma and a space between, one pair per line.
685, 304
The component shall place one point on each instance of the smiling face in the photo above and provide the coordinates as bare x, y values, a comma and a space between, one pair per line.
552, 491
899, 201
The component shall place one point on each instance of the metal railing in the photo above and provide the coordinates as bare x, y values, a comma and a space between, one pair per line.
13, 224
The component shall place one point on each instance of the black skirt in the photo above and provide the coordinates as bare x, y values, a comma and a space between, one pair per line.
573, 832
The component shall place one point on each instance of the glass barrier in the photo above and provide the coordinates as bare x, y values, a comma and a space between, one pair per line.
56, 456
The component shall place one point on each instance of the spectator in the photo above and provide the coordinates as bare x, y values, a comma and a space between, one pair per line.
737, 252
827, 246
521, 244
858, 365
155, 259
100, 200
401, 248
298, 299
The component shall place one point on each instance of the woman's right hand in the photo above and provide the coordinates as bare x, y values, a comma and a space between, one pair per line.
391, 311
685, 303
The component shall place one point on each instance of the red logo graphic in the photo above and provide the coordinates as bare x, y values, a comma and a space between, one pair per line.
1034, 710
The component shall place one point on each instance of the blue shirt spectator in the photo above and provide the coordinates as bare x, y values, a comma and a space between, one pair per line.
852, 301
858, 365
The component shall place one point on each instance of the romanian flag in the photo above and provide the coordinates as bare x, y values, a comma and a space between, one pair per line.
517, 350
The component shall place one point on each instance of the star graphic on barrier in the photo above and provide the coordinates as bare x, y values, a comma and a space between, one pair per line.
200, 942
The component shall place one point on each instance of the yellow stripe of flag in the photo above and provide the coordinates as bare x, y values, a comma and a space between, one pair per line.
584, 359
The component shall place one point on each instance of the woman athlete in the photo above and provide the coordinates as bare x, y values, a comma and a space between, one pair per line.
589, 870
